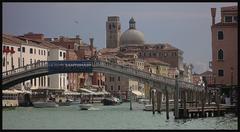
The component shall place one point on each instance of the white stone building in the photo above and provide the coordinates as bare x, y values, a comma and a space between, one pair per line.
26, 52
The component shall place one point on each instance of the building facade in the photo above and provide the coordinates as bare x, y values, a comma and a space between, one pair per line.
25, 52
225, 46
55, 81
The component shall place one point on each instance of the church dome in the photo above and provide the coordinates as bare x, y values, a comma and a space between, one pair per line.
131, 37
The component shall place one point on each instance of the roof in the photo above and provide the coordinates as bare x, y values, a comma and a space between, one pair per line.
225, 24
206, 73
109, 50
33, 42
156, 61
229, 8
18, 40
11, 40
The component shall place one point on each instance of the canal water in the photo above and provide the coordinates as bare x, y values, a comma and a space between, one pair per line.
106, 117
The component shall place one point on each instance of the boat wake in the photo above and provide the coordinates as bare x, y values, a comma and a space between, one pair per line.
92, 108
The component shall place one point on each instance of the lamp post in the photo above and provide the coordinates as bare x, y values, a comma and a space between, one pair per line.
130, 94
231, 90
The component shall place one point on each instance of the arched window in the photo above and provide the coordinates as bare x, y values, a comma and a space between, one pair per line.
220, 54
220, 35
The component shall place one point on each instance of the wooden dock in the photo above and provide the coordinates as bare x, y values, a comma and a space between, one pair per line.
196, 112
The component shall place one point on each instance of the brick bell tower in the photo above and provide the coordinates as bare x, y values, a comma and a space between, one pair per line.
113, 32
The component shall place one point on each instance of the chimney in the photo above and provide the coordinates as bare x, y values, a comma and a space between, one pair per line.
213, 12
91, 45
61, 38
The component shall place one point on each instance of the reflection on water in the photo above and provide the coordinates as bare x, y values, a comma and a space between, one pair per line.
106, 117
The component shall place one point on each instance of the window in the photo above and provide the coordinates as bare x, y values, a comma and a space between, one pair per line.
220, 35
41, 52
119, 88
23, 49
12, 49
110, 79
3, 61
30, 61
68, 46
34, 51
165, 54
48, 82
118, 78
220, 54
150, 54
18, 61
60, 54
220, 73
48, 53
35, 82
23, 61
111, 88
64, 55
44, 53
31, 51
38, 52
228, 18
19, 49
235, 18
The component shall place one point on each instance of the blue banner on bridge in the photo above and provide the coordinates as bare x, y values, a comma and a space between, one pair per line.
69, 66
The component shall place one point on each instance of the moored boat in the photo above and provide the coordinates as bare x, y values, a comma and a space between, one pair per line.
85, 106
45, 104
111, 101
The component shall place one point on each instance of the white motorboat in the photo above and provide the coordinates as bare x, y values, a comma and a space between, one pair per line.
85, 106
45, 104
148, 107
143, 101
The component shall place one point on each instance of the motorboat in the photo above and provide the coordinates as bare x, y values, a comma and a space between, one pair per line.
75, 102
148, 107
111, 101
85, 106
45, 104
66, 103
143, 101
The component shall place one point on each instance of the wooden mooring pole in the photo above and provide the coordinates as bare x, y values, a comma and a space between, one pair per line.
153, 101
167, 103
159, 101
203, 102
176, 98
184, 104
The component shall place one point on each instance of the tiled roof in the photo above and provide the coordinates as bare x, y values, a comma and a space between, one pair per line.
206, 73
155, 61
229, 8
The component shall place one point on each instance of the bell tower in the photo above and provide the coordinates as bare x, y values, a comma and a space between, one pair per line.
113, 32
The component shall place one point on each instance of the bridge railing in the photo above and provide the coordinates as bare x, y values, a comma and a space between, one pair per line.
25, 68
137, 72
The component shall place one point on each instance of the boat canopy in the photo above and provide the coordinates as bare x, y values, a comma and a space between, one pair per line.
138, 93
71, 93
89, 92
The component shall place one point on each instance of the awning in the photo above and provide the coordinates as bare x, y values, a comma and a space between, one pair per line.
71, 93
88, 91
138, 93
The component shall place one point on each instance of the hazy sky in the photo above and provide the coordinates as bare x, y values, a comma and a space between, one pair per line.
183, 25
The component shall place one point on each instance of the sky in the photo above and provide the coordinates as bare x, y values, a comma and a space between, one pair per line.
186, 26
